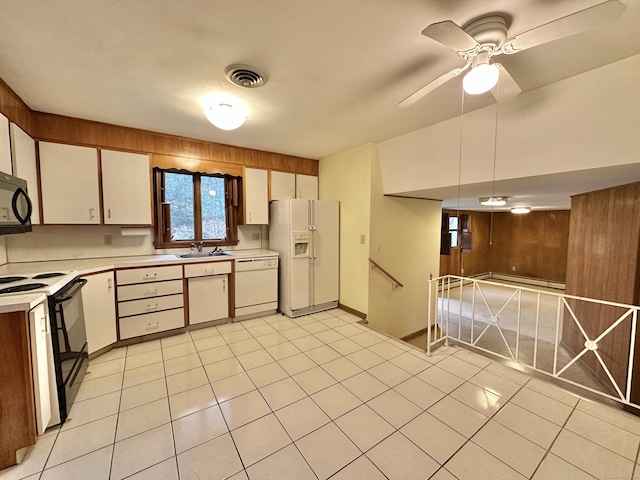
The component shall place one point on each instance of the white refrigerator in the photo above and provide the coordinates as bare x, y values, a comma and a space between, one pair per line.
306, 235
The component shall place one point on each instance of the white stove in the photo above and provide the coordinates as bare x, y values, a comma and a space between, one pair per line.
48, 283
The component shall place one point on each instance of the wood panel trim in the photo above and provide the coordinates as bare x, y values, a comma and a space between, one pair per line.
14, 108
76, 131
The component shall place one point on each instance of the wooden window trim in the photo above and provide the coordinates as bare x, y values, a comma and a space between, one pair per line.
162, 226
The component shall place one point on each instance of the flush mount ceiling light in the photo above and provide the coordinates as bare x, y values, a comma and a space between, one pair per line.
493, 201
482, 77
224, 112
520, 210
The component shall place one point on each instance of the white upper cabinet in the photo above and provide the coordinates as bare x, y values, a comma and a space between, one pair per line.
5, 146
283, 185
126, 188
23, 153
256, 197
307, 187
69, 178
290, 185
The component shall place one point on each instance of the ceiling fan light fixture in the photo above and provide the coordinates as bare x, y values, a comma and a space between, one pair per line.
482, 78
225, 113
493, 201
520, 210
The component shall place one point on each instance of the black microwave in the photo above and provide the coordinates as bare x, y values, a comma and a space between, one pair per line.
15, 205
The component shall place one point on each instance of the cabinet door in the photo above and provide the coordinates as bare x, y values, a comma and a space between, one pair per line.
23, 154
69, 178
126, 188
256, 199
307, 187
5, 146
208, 298
283, 185
98, 303
40, 358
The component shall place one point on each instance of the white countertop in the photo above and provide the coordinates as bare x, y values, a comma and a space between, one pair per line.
90, 265
24, 302
20, 303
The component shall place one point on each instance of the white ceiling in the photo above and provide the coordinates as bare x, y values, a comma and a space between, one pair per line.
337, 69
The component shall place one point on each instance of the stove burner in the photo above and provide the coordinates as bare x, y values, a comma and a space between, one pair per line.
11, 279
49, 275
22, 288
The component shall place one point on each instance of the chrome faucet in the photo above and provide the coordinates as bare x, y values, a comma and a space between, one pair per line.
197, 246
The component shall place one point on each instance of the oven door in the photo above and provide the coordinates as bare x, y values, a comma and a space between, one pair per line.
69, 340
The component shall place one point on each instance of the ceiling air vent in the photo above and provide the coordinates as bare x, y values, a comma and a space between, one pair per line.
245, 76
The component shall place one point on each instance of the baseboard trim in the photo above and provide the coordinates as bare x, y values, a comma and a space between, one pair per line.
419, 333
352, 311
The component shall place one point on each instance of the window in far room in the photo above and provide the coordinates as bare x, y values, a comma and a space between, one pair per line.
453, 230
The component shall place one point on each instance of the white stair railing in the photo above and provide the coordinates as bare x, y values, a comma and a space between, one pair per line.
527, 326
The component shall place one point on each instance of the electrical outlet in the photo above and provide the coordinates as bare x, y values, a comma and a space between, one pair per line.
378, 248
462, 271
108, 239
255, 237
363, 239
513, 269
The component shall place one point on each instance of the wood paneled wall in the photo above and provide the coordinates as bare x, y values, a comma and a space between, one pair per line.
57, 128
604, 263
535, 243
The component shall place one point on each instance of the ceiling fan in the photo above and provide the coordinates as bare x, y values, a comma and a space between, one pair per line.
481, 40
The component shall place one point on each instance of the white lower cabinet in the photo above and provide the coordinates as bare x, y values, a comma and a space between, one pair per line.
98, 303
150, 300
149, 323
41, 358
208, 291
208, 298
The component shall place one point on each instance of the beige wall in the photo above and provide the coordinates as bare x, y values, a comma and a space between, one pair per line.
407, 232
346, 177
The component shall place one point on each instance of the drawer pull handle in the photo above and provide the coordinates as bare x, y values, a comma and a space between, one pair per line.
151, 275
153, 325
150, 292
209, 270
152, 307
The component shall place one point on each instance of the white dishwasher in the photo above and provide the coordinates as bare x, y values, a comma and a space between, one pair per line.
256, 285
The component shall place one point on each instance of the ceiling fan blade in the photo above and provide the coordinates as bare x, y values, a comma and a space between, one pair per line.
566, 26
450, 35
507, 85
429, 87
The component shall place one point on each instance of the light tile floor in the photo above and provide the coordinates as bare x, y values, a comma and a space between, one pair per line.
323, 397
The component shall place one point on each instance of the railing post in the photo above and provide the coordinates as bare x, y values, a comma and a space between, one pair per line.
428, 349
632, 348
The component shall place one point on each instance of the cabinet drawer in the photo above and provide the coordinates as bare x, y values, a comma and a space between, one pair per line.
149, 290
204, 269
151, 323
149, 305
151, 274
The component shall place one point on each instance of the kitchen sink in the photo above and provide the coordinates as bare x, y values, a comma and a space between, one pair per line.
203, 254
